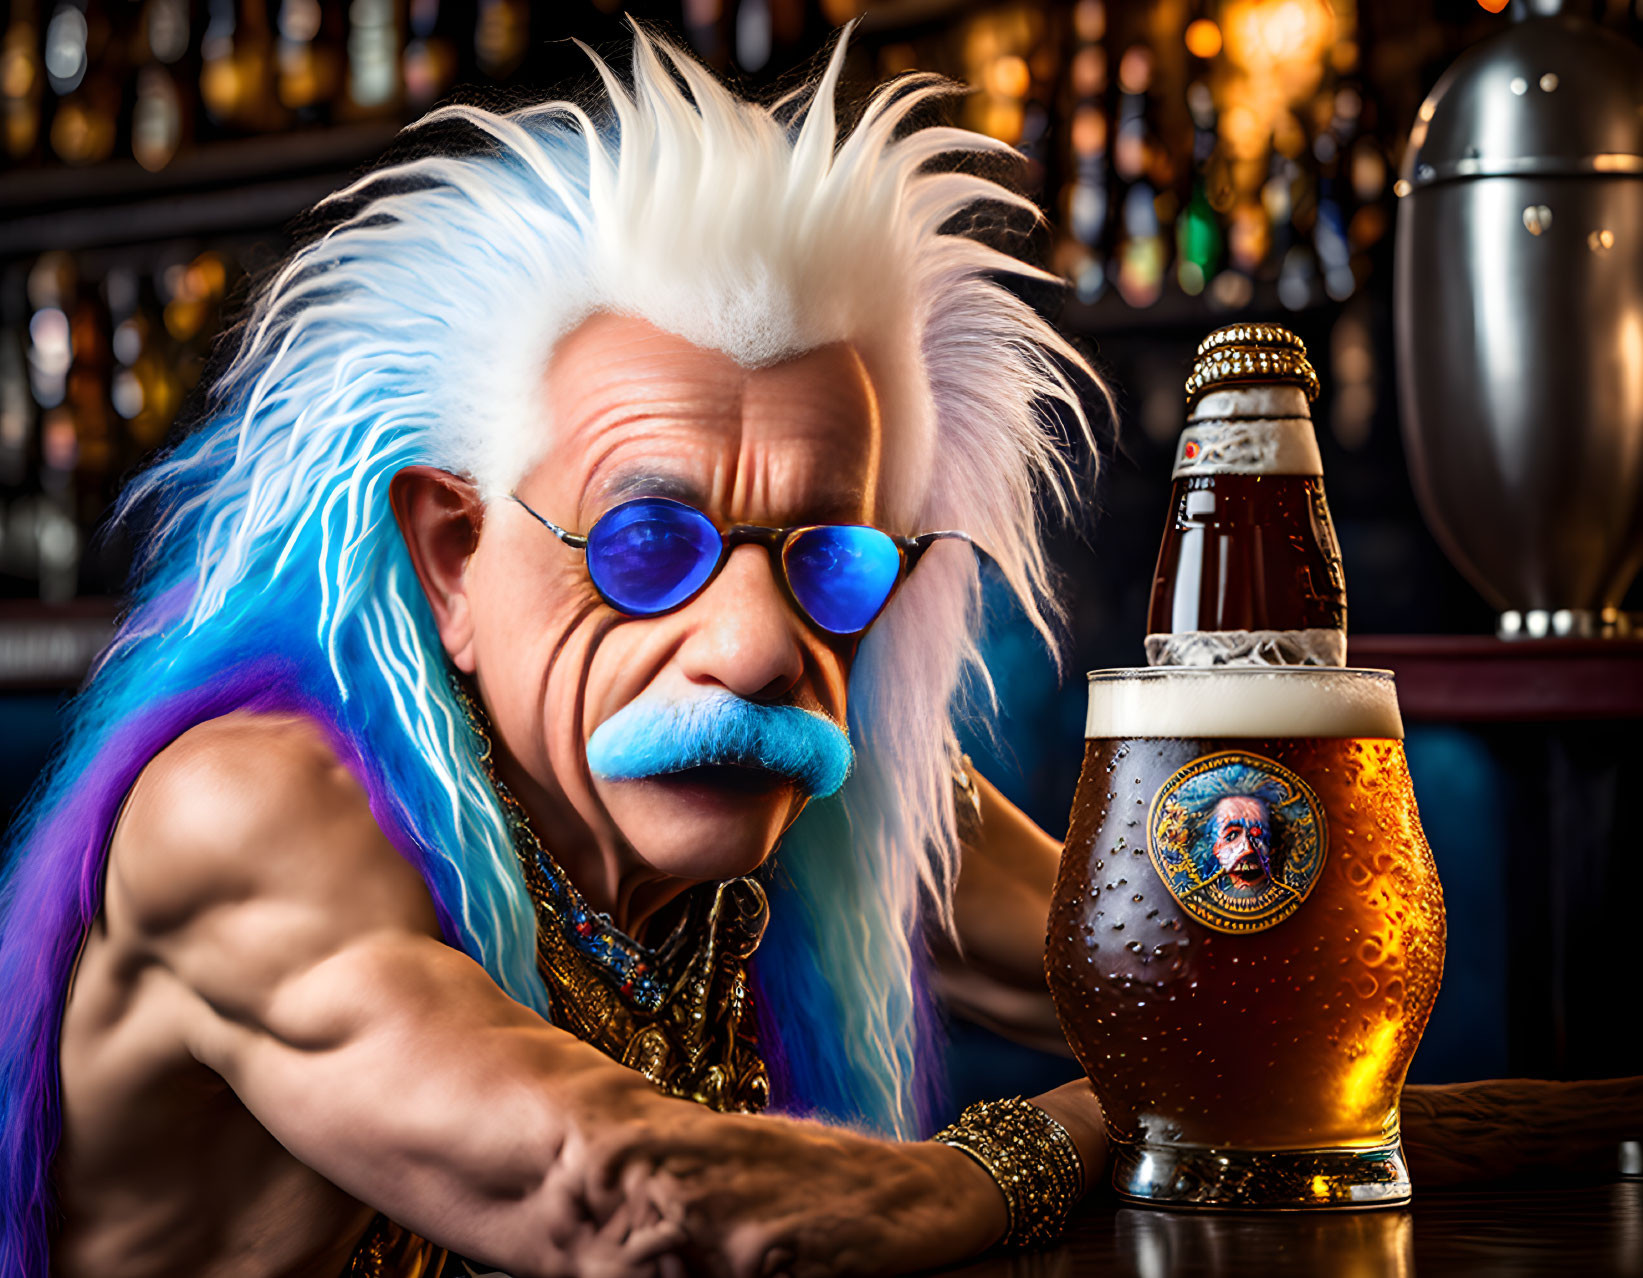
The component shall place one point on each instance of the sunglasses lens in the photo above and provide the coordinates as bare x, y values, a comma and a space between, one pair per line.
842, 576
651, 555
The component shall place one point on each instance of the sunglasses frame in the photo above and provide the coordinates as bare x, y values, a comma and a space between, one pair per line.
775, 540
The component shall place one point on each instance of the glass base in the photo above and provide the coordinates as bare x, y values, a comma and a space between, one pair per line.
1195, 1176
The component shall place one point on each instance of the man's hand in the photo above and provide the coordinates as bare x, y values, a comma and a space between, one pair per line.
282, 942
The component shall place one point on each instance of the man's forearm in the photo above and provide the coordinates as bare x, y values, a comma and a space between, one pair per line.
530, 1151
1477, 1132
761, 1194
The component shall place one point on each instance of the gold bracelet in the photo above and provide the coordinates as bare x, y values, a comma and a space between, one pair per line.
1030, 1157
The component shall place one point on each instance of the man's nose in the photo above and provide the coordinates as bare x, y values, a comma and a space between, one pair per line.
744, 634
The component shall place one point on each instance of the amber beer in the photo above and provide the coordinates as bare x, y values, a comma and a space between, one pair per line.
1247, 933
1248, 569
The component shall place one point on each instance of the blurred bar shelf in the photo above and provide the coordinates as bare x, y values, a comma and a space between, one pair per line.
49, 647
1176, 314
1441, 678
248, 184
900, 18
1479, 679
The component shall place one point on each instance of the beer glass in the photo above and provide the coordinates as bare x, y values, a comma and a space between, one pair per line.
1247, 933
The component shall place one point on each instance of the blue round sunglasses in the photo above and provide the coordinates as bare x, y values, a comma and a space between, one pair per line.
651, 555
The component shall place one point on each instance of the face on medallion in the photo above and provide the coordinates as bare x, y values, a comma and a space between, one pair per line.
635, 411
1243, 842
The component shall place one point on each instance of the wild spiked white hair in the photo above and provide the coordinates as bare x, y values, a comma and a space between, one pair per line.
726, 223
418, 331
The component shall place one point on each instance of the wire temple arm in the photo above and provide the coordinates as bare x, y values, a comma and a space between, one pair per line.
575, 540
914, 547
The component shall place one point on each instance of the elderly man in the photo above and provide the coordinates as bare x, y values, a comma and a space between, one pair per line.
1241, 833
581, 517
527, 755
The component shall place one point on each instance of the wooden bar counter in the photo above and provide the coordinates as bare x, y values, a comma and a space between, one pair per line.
1594, 1231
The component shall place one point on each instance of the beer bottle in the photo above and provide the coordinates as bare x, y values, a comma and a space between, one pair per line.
1249, 572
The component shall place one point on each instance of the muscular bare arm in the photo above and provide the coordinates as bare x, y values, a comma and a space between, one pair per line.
1501, 1128
294, 952
1000, 904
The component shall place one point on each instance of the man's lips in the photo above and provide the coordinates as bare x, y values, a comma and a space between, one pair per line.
724, 778
1247, 870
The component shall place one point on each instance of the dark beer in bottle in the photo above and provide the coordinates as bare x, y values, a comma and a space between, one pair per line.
1249, 572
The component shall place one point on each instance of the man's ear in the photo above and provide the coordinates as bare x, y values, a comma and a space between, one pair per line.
439, 515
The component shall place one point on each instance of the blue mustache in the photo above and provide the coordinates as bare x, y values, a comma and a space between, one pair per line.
653, 738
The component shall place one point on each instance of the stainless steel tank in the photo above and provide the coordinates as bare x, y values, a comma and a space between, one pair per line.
1519, 310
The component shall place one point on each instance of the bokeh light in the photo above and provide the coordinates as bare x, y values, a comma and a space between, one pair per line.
1203, 38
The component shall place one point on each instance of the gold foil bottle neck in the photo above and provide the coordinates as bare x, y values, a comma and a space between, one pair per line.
1250, 355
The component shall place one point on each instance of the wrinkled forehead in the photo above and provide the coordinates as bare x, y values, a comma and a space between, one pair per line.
635, 410
1245, 809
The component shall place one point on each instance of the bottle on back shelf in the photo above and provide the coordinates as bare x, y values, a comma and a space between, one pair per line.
1082, 255
22, 78
1140, 160
429, 62
161, 113
85, 70
237, 68
1249, 572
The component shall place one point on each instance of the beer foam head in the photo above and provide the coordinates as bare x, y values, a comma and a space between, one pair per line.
1244, 701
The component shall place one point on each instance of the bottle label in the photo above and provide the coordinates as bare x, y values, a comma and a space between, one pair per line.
1244, 446
1238, 839
1320, 647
